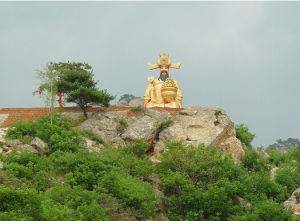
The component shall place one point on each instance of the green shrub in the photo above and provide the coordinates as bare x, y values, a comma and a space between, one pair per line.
75, 123
266, 210
211, 203
276, 158
29, 166
1, 143
288, 175
294, 154
66, 203
137, 109
117, 171
202, 165
138, 148
23, 204
252, 161
136, 194
258, 186
164, 124
59, 135
123, 122
243, 134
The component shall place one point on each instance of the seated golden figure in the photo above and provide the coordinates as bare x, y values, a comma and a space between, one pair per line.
164, 91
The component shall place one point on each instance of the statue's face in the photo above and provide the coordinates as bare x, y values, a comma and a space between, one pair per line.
164, 70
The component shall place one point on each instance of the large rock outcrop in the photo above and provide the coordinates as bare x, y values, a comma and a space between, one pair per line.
210, 126
194, 125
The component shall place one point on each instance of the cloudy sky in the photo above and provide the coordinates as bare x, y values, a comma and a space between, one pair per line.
241, 56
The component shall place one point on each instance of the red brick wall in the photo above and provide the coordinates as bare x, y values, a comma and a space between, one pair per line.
14, 114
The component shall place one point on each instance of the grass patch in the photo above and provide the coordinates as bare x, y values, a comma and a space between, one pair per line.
164, 124
137, 109
75, 123
89, 134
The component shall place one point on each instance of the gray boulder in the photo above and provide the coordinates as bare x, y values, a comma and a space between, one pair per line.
146, 127
210, 126
39, 145
28, 147
105, 125
273, 173
13, 143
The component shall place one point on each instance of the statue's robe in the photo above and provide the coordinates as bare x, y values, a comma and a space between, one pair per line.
153, 92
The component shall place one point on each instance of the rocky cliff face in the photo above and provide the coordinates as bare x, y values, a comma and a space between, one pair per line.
194, 125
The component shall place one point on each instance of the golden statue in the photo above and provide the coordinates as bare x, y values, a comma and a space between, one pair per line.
164, 91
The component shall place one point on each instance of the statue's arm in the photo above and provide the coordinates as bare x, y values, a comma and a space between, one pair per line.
179, 94
147, 94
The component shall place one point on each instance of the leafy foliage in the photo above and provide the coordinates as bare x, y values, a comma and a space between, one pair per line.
243, 134
80, 87
201, 184
59, 135
137, 109
252, 161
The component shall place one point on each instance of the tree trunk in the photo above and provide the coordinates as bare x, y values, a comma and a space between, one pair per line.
84, 108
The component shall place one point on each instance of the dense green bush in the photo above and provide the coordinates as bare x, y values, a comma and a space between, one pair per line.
266, 210
201, 184
19, 204
252, 161
288, 175
276, 157
243, 134
59, 135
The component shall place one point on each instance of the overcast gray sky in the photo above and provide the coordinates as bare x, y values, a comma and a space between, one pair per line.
240, 56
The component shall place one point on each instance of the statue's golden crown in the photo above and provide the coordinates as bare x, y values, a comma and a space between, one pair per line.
164, 60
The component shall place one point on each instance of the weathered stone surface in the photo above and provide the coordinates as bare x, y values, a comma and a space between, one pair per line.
105, 125
89, 144
145, 129
2, 134
158, 116
5, 148
188, 112
293, 202
242, 202
263, 154
28, 147
210, 126
8, 152
273, 173
39, 145
13, 143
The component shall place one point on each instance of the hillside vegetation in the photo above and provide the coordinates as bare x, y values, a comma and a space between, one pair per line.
190, 183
